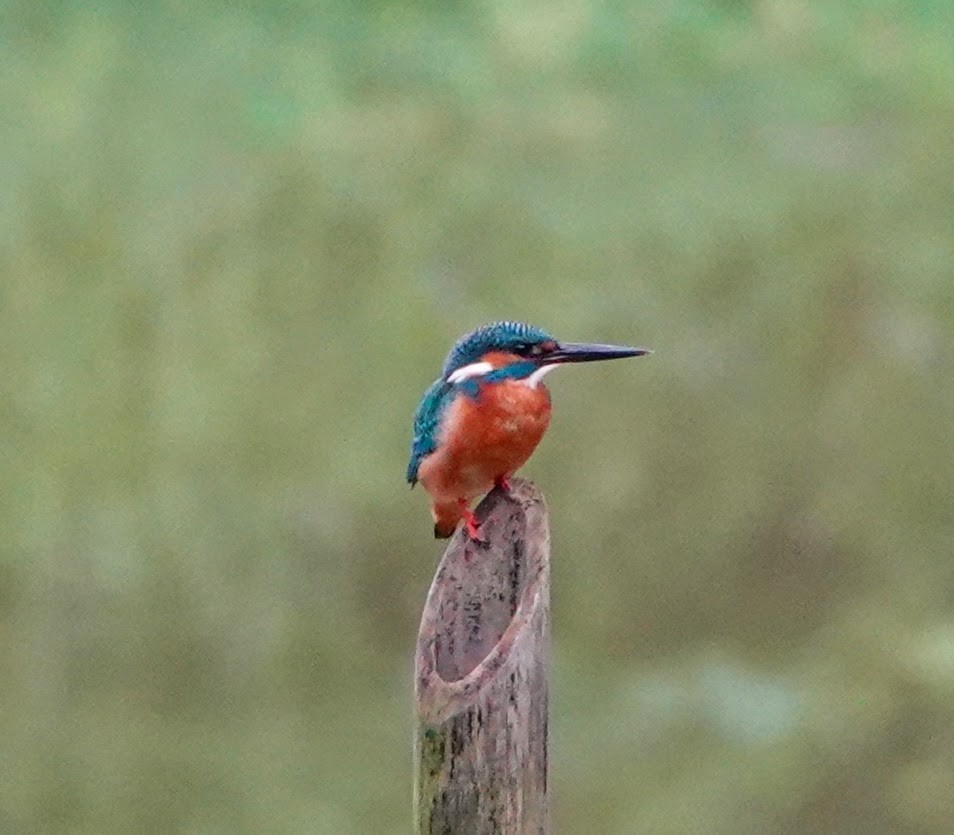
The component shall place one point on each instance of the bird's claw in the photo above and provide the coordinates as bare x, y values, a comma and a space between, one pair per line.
473, 531
471, 525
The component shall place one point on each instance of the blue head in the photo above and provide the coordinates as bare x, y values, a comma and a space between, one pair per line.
510, 337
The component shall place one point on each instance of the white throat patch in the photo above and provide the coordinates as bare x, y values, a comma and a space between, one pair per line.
534, 379
475, 369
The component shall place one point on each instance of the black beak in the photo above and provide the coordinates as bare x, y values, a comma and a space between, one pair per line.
588, 352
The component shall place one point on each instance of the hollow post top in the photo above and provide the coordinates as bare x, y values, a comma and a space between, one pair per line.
483, 599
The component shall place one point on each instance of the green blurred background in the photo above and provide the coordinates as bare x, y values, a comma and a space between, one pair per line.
236, 242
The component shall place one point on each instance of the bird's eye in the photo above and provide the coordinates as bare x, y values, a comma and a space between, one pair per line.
535, 349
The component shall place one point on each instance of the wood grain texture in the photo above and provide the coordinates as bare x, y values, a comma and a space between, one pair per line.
482, 670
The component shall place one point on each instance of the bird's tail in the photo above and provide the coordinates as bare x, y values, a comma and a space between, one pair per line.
446, 515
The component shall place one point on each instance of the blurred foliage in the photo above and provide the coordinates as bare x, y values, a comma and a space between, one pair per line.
236, 240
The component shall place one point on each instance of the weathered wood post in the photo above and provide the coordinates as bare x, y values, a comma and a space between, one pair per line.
482, 672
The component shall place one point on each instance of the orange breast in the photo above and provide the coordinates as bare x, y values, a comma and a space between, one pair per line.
484, 438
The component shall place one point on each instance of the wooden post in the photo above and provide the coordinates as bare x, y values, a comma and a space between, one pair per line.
482, 672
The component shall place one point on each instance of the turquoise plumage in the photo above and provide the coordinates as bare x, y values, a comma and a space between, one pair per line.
427, 424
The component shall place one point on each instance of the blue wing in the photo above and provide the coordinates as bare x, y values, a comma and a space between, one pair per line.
427, 424
427, 421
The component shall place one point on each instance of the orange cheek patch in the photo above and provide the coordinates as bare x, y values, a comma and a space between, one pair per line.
498, 359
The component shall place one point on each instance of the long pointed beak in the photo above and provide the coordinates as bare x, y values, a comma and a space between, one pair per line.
590, 352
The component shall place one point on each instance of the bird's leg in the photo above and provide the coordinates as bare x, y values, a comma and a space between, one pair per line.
502, 482
473, 526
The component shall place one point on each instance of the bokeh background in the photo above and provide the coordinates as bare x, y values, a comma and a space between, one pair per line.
236, 241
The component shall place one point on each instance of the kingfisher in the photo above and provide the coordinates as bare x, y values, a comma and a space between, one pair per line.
480, 421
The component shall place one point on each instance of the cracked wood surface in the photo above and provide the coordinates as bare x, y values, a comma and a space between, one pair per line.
482, 670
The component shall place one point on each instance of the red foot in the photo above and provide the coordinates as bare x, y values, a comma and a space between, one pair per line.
503, 483
473, 526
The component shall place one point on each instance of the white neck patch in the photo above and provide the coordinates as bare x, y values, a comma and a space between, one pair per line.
534, 379
475, 369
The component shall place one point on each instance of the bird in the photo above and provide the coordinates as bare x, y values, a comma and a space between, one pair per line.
480, 421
